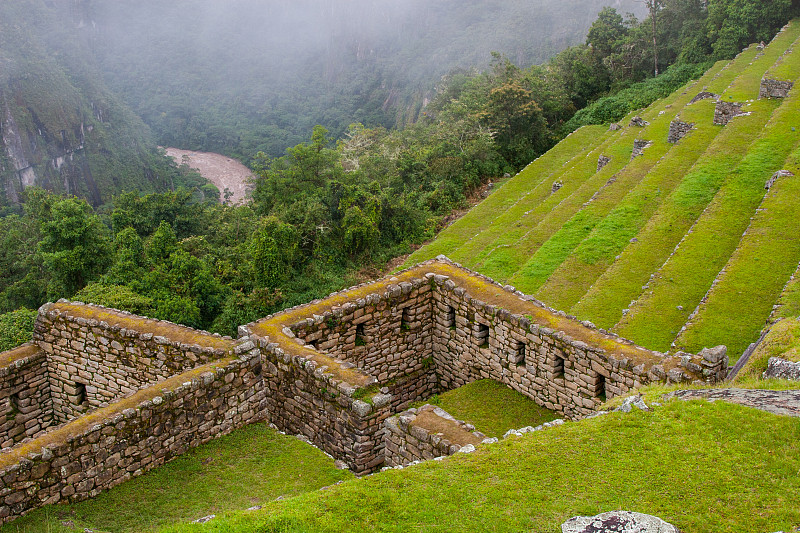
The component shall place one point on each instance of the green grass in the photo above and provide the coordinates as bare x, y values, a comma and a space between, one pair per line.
492, 407
789, 302
508, 258
656, 319
783, 341
249, 467
514, 222
756, 274
710, 467
624, 280
609, 237
510, 193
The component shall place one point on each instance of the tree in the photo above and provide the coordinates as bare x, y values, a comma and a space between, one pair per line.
517, 122
74, 246
654, 6
273, 248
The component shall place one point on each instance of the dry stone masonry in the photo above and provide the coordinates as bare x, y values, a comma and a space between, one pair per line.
724, 112
639, 146
602, 161
102, 395
424, 434
678, 130
775, 88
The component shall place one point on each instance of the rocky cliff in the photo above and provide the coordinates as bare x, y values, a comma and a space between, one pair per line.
60, 127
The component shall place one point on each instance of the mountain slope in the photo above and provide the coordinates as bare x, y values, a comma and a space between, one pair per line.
652, 246
60, 127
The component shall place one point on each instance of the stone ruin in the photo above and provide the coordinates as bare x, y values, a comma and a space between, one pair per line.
779, 174
704, 95
602, 161
724, 112
101, 395
678, 130
774, 88
639, 146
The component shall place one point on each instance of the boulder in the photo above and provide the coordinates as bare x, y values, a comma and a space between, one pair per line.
778, 368
618, 522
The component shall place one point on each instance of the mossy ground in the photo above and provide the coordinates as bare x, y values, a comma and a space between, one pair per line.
249, 467
492, 407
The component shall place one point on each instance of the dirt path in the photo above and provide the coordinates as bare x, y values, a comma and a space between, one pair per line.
220, 170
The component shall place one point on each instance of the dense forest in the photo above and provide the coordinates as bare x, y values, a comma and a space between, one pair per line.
331, 211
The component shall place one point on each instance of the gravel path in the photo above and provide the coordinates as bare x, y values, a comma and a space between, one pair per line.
220, 170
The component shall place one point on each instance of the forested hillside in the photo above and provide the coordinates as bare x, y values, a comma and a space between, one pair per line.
62, 128
329, 213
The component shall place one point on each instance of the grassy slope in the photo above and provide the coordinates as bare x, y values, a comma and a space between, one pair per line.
623, 281
513, 223
656, 319
782, 341
611, 235
510, 193
492, 407
521, 237
707, 467
757, 272
246, 468
617, 215
565, 237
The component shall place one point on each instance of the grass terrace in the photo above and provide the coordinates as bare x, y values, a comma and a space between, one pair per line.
756, 273
710, 467
249, 467
611, 235
492, 407
680, 285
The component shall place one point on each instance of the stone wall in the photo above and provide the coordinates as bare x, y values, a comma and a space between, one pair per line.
303, 397
678, 130
479, 340
775, 88
724, 112
333, 370
25, 405
100, 450
425, 433
97, 355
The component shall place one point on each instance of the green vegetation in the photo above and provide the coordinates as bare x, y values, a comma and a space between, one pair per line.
689, 273
701, 466
16, 328
783, 340
492, 407
756, 273
249, 467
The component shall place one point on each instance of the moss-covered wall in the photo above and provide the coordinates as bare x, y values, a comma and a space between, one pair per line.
25, 405
99, 355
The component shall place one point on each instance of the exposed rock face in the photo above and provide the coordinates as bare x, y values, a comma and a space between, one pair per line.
678, 130
774, 178
705, 95
727, 111
785, 403
639, 146
602, 161
639, 122
775, 88
618, 522
782, 369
